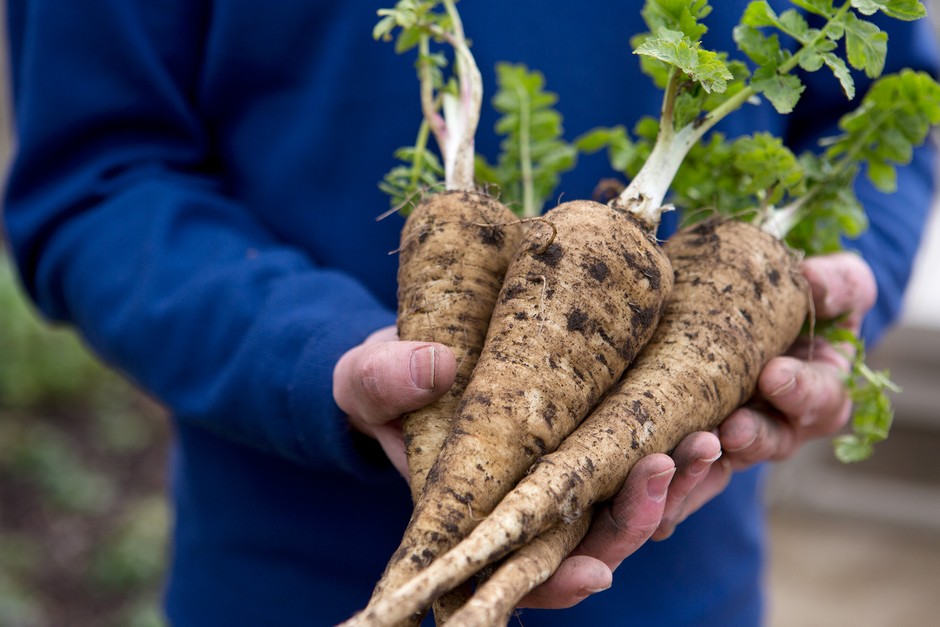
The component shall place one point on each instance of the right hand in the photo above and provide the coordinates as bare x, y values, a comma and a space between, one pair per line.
382, 378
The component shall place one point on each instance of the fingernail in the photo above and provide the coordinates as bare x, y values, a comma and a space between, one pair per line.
596, 590
735, 449
701, 465
423, 366
785, 387
657, 485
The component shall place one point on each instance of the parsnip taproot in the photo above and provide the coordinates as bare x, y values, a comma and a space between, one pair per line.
456, 245
907, 100
738, 301
495, 600
570, 480
581, 297
701, 89
455, 249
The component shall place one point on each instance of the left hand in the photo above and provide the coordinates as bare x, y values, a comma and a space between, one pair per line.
797, 400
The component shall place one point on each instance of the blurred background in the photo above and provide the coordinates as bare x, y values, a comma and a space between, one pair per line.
83, 520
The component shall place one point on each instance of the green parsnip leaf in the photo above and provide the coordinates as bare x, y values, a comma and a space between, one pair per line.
866, 45
841, 71
895, 115
735, 177
768, 167
868, 389
412, 18
831, 211
760, 48
702, 66
679, 15
899, 9
782, 90
419, 172
533, 153
810, 199
819, 7
622, 152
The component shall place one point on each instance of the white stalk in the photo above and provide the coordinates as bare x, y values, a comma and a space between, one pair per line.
645, 194
461, 113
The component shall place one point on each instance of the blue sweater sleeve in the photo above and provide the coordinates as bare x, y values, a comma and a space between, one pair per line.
120, 225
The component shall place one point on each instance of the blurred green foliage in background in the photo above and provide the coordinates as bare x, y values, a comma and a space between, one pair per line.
83, 520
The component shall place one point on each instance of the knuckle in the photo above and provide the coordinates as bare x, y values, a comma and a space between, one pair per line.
373, 381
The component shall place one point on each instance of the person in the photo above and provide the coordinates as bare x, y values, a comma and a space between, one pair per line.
194, 189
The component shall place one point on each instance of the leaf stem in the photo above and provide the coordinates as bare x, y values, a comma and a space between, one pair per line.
793, 61
667, 123
421, 143
648, 189
429, 104
529, 209
462, 115
781, 221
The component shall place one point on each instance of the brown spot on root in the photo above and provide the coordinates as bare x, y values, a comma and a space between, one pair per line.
462, 498
492, 236
512, 291
549, 414
598, 270
705, 235
774, 277
644, 317
551, 255
540, 443
654, 276
483, 399
577, 320
589, 465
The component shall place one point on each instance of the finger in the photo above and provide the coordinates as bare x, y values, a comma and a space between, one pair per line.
750, 436
820, 350
576, 578
623, 525
694, 458
385, 334
811, 395
842, 283
392, 440
379, 381
716, 480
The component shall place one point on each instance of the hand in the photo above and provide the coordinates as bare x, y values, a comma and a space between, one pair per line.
659, 491
383, 378
797, 400
801, 398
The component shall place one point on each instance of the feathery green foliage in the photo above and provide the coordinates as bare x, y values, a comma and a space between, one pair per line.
533, 154
810, 199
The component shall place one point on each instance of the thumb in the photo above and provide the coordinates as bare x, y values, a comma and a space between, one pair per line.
376, 382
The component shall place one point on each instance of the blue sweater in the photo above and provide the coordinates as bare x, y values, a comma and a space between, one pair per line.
195, 189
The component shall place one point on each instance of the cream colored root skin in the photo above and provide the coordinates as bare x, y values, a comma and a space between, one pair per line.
739, 300
581, 297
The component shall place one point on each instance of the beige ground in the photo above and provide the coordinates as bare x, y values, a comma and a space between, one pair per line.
833, 571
